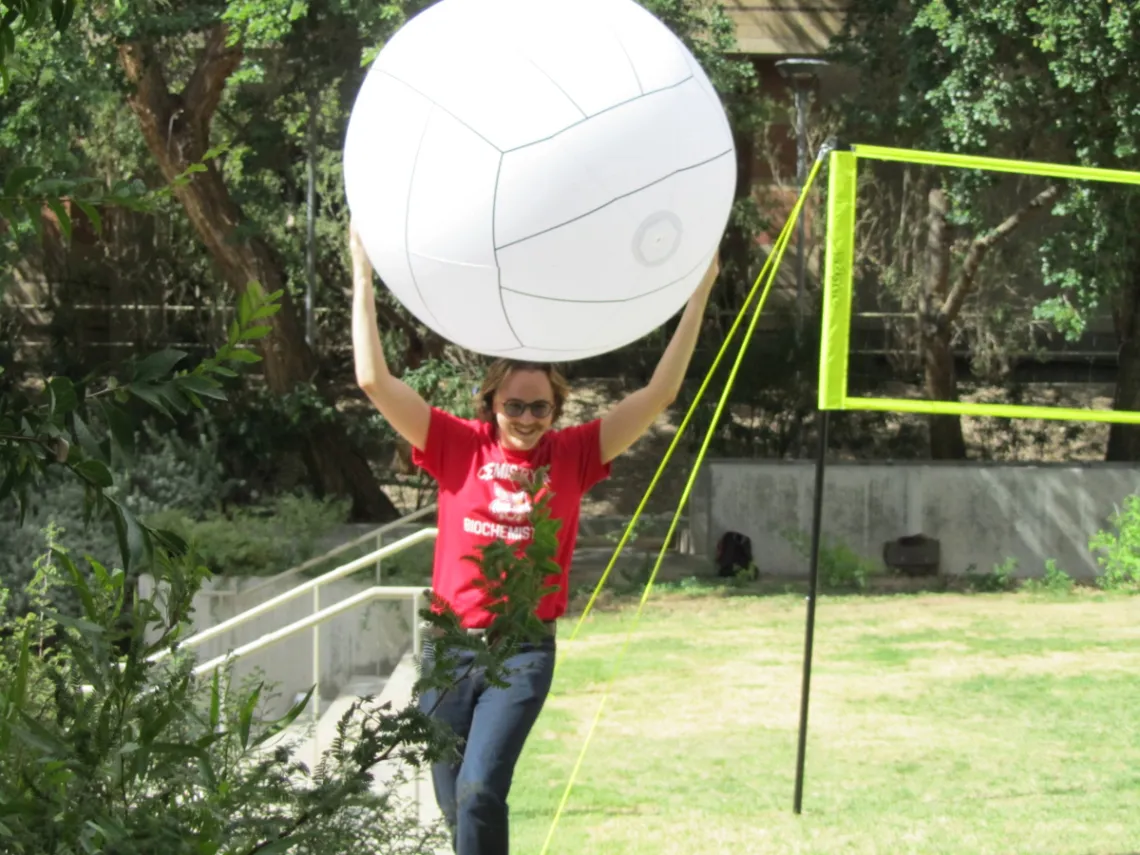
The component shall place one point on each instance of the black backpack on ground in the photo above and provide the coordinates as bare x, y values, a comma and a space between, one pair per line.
733, 553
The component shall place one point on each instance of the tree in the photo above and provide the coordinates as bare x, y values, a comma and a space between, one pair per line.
944, 291
64, 109
176, 127
1052, 80
176, 124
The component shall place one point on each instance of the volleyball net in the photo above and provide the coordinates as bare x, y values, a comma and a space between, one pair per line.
838, 285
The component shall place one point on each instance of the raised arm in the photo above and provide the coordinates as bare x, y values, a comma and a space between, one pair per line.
399, 403
631, 417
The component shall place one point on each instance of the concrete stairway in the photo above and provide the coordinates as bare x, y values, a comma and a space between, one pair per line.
413, 795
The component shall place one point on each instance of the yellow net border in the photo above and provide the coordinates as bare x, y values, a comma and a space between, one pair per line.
838, 284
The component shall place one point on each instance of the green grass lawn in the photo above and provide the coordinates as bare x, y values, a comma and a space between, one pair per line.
939, 723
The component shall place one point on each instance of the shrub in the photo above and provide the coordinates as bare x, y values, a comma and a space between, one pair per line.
169, 471
260, 540
108, 740
174, 484
260, 432
131, 755
840, 566
147, 758
165, 471
1054, 581
1000, 578
1118, 552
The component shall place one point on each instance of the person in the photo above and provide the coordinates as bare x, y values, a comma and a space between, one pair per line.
481, 466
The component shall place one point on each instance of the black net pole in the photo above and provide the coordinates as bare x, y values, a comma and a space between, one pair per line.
822, 418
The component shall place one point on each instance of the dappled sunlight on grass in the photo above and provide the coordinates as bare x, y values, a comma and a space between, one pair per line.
939, 724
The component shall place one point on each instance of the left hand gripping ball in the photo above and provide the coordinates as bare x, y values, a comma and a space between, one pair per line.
539, 179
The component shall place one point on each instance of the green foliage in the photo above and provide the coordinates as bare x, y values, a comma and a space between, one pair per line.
172, 470
81, 426
103, 749
516, 579
258, 540
412, 566
145, 758
108, 743
1054, 582
1117, 550
28, 192
1001, 577
447, 385
840, 566
18, 17
258, 428
771, 406
1044, 81
167, 472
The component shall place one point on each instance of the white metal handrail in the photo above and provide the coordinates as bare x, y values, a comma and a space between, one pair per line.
313, 585
313, 621
376, 534
378, 592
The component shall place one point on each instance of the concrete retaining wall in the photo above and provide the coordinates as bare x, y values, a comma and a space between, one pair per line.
982, 513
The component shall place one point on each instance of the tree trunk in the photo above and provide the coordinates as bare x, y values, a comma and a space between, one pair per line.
176, 130
939, 376
1124, 440
946, 439
940, 304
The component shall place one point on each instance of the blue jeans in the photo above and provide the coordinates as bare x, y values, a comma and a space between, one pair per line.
492, 725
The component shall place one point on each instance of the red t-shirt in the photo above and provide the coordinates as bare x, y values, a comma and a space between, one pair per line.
482, 497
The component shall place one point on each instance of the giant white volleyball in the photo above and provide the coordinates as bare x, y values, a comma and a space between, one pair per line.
539, 179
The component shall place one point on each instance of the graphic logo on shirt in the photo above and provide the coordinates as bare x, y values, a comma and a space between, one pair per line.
508, 472
508, 506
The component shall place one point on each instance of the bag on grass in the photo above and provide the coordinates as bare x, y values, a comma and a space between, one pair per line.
733, 553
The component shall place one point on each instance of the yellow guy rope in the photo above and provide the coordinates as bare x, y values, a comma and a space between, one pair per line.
771, 266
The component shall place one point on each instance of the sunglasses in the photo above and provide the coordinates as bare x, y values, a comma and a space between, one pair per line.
539, 409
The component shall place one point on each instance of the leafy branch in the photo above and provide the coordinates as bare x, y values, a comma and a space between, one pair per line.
27, 191
19, 16
84, 430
